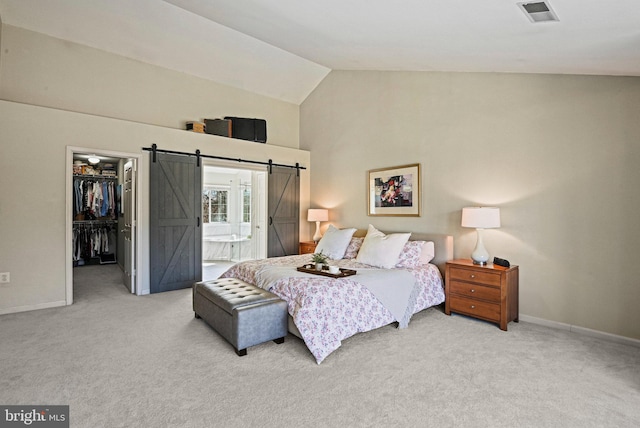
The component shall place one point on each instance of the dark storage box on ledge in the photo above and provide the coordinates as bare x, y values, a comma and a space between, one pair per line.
218, 127
248, 129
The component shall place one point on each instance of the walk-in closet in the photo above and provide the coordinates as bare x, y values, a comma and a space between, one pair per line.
101, 231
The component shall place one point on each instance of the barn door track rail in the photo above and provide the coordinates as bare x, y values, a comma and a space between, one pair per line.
154, 149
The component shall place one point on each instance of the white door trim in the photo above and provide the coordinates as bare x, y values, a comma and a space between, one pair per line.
141, 253
129, 195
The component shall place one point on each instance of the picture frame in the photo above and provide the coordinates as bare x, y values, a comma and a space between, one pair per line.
394, 191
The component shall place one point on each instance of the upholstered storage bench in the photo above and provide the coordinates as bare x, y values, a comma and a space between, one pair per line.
243, 314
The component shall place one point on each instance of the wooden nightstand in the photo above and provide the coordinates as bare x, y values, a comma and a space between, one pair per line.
307, 247
486, 292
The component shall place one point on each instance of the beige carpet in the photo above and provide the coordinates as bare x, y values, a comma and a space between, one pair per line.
124, 361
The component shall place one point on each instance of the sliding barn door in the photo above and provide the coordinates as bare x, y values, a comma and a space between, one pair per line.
284, 212
175, 207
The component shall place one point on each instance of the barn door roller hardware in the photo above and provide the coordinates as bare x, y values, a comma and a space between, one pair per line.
154, 149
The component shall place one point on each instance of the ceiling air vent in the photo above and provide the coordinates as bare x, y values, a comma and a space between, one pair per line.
539, 11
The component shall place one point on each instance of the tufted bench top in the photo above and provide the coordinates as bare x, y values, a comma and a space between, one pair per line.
232, 293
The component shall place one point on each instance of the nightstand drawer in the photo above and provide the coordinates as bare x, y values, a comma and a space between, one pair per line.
476, 308
485, 278
308, 247
475, 291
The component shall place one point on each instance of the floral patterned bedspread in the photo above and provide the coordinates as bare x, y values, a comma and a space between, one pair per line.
327, 310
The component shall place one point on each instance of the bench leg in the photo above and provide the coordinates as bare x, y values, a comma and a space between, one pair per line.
197, 316
279, 341
241, 352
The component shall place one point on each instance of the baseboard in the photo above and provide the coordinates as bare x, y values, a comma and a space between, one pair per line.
581, 330
27, 308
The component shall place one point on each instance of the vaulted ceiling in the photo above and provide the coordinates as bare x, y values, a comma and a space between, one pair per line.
284, 48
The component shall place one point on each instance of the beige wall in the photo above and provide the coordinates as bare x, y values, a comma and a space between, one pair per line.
33, 189
126, 105
558, 154
41, 70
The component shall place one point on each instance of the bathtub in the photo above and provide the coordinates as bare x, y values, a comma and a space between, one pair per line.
226, 247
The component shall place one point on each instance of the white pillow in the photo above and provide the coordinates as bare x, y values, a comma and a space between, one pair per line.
381, 250
334, 242
428, 252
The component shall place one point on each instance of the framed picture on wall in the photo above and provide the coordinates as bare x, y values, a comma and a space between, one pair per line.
394, 191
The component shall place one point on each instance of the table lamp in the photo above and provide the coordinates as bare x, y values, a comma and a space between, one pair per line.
317, 215
480, 218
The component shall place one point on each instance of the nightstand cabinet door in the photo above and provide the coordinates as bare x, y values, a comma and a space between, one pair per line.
307, 247
485, 292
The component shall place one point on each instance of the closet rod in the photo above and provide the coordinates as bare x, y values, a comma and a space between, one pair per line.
154, 149
96, 177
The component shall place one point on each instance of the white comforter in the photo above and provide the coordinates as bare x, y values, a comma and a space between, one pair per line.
327, 310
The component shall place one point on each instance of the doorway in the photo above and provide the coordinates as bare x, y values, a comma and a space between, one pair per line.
102, 212
233, 217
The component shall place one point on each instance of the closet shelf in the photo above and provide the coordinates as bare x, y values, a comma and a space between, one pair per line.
99, 177
94, 221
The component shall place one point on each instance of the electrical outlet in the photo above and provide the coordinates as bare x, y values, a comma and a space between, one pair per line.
5, 278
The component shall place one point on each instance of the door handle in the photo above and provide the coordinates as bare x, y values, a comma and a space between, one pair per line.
270, 220
198, 225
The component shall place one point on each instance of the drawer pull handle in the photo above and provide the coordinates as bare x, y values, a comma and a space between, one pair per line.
473, 306
473, 290
472, 276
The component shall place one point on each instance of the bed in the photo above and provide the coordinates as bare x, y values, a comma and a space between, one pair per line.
324, 311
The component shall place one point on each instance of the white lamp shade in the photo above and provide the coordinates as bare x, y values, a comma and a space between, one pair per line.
481, 217
318, 215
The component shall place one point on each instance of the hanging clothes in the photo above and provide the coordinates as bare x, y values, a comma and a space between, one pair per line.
94, 199
92, 241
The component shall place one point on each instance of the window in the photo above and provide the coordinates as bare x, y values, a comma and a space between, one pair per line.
246, 204
215, 205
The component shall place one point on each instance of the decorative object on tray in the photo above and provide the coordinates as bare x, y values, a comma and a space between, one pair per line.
342, 272
480, 218
319, 259
394, 191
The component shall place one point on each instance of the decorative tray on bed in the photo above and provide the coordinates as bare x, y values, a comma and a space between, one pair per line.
310, 268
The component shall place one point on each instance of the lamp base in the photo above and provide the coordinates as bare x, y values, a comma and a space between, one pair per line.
317, 236
480, 256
